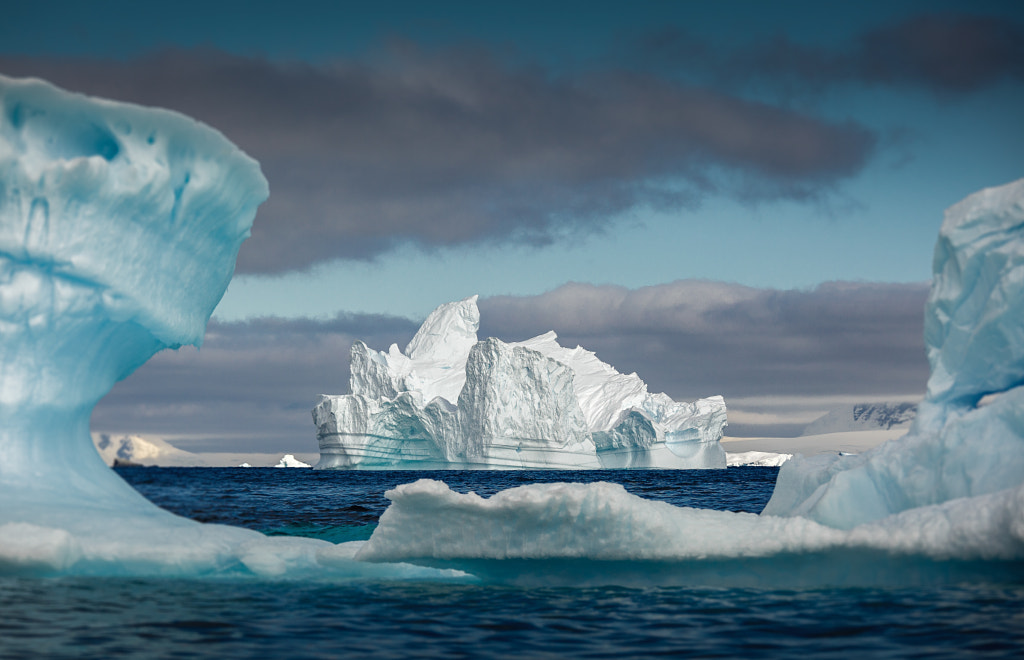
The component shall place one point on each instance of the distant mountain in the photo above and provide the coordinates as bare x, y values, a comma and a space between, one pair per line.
864, 417
136, 450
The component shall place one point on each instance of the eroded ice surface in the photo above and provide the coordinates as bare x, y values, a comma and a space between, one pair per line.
451, 401
119, 227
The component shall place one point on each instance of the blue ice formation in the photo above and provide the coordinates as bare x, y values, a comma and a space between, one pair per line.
968, 437
453, 402
119, 229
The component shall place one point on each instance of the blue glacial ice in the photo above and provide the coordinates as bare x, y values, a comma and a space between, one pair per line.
450, 401
119, 227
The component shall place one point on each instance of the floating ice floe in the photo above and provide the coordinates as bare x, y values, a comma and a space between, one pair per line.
450, 401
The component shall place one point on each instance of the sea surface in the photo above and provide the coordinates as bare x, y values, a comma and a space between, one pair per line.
250, 618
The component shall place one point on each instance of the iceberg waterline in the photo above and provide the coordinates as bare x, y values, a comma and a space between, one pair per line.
450, 401
119, 231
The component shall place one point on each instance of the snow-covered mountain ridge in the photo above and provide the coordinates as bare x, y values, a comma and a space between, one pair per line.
864, 417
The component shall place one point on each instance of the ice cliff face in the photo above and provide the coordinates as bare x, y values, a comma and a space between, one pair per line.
450, 401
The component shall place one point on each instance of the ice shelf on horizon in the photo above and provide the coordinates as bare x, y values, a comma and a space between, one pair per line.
451, 401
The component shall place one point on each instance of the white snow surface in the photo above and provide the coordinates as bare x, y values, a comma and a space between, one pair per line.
143, 451
451, 401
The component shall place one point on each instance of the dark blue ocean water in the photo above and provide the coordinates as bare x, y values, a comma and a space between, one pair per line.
106, 617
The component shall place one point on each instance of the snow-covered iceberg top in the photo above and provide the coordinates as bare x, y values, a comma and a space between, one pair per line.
451, 401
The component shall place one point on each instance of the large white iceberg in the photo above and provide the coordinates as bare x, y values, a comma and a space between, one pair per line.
451, 401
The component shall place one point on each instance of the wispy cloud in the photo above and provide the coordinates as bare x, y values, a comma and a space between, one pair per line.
457, 146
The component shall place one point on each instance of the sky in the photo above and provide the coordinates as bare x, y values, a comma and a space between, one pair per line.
735, 198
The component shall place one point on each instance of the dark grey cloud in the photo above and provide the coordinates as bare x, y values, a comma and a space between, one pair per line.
946, 53
252, 384
459, 147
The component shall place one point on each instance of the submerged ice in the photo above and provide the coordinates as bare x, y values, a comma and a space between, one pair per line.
451, 401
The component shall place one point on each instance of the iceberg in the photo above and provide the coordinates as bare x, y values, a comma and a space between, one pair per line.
289, 461
450, 401
119, 229
967, 439
943, 502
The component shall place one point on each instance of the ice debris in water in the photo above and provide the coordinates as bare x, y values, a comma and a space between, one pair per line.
951, 489
450, 401
119, 228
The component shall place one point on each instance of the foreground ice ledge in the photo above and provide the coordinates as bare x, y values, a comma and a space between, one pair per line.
451, 401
